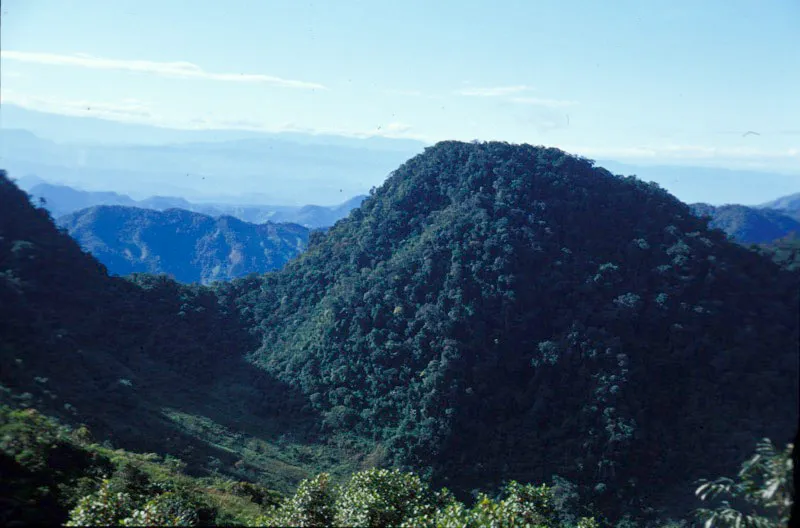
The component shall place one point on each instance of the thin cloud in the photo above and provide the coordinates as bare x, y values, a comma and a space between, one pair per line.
177, 70
126, 110
538, 101
494, 91
135, 111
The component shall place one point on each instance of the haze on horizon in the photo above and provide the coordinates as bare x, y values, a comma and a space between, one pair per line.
709, 84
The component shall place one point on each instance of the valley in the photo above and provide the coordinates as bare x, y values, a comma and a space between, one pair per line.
492, 312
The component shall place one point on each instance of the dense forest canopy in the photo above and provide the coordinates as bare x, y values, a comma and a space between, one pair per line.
493, 312
496, 311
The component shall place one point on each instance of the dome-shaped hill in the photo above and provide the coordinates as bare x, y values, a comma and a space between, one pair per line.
500, 311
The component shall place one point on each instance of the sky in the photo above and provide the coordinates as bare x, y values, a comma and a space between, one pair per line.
715, 82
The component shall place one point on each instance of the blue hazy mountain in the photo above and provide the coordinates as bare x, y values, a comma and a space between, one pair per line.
285, 169
713, 185
190, 247
748, 225
789, 205
62, 200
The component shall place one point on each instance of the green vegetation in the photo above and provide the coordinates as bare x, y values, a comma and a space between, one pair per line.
493, 313
785, 251
499, 312
191, 247
57, 475
763, 487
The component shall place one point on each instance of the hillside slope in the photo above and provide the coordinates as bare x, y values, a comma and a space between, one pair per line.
498, 311
188, 246
145, 362
748, 225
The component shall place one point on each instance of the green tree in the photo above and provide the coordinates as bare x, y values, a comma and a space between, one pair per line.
763, 487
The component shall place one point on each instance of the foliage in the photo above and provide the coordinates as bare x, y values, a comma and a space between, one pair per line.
51, 477
493, 312
785, 251
764, 487
103, 508
311, 505
380, 497
498, 312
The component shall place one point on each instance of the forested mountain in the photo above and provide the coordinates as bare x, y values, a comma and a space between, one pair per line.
190, 247
498, 311
789, 205
492, 312
785, 251
749, 225
143, 361
62, 200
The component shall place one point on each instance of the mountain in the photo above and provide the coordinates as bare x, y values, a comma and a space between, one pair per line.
714, 185
784, 251
190, 247
62, 200
292, 169
789, 205
748, 225
491, 312
500, 312
144, 362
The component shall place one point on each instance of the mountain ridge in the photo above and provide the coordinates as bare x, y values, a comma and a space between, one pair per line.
188, 246
492, 312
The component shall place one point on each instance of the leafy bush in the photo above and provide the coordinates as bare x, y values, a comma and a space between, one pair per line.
311, 505
103, 508
763, 487
167, 509
380, 497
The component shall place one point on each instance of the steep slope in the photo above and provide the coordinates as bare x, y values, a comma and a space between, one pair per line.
784, 251
145, 362
748, 225
498, 311
190, 247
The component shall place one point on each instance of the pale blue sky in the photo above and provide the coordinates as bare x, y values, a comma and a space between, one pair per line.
638, 81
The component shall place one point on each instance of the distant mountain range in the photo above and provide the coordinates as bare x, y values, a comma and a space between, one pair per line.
789, 205
543, 318
188, 246
288, 169
62, 200
749, 225
88, 214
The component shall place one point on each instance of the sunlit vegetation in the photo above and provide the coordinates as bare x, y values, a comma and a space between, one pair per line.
550, 342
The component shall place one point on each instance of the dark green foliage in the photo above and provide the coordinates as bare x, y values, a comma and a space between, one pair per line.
785, 251
152, 364
748, 225
492, 313
498, 311
190, 247
761, 496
